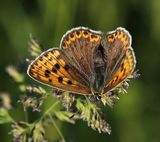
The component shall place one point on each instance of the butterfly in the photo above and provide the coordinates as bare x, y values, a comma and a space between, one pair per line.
87, 62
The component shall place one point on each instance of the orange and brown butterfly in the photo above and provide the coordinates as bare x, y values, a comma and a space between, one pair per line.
87, 62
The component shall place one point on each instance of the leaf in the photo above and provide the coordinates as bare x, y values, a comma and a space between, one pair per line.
20, 131
34, 47
4, 116
38, 133
65, 116
13, 72
89, 112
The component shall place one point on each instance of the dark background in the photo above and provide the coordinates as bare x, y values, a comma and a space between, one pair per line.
136, 117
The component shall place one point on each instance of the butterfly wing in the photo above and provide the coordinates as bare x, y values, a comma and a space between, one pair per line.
122, 62
51, 69
78, 44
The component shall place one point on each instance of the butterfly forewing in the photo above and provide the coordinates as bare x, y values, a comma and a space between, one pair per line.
50, 68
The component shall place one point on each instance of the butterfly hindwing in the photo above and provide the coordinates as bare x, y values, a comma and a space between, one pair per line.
126, 67
122, 62
50, 68
78, 44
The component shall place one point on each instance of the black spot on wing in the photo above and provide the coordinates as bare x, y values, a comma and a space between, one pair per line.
69, 82
50, 80
57, 66
54, 70
47, 73
66, 67
60, 79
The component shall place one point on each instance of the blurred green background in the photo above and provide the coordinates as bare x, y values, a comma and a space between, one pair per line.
136, 117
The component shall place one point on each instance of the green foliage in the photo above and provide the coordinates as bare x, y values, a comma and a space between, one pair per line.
34, 96
90, 113
134, 118
4, 116
5, 106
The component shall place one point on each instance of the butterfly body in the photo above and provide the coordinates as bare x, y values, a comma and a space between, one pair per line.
99, 69
88, 62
